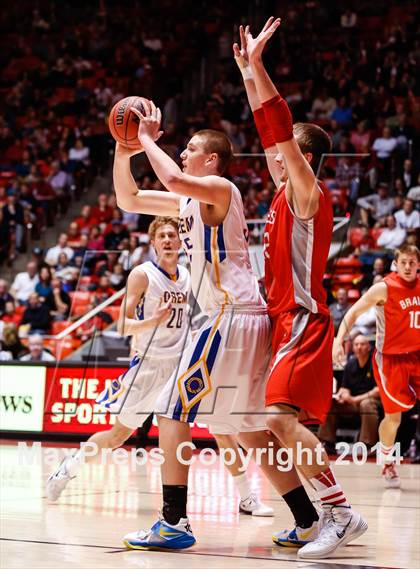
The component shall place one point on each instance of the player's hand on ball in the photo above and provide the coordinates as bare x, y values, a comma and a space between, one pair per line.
149, 126
255, 46
339, 357
125, 151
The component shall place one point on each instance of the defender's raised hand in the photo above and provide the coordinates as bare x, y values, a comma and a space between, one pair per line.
241, 54
255, 46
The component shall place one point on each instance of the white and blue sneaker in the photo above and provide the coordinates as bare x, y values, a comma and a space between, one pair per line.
58, 480
162, 536
342, 525
297, 537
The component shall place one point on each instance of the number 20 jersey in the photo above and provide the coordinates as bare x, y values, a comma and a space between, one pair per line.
398, 320
168, 339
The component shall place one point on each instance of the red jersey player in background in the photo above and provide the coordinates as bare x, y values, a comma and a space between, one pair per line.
296, 244
396, 361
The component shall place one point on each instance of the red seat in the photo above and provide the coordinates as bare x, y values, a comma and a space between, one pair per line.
113, 311
346, 281
59, 325
347, 265
84, 282
376, 233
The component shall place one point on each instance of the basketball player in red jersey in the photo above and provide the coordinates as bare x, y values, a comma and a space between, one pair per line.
296, 244
396, 361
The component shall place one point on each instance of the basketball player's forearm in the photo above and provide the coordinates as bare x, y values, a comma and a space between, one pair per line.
265, 88
130, 326
124, 184
168, 171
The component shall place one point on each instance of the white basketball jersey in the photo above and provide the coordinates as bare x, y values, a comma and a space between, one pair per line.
221, 271
168, 339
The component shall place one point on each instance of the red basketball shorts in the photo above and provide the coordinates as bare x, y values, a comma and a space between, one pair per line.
301, 368
398, 379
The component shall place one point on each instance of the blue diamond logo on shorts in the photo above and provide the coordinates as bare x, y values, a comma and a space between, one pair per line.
194, 384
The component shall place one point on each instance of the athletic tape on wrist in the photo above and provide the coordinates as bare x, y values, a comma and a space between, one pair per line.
247, 73
279, 118
264, 131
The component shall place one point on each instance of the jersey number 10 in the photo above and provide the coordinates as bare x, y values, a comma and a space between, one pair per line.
415, 319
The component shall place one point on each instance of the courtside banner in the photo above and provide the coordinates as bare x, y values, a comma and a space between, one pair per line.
70, 407
70, 395
21, 398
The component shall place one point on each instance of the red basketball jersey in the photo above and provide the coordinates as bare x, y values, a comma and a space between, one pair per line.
398, 320
296, 253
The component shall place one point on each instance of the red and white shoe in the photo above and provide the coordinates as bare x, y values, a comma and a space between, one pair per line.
390, 476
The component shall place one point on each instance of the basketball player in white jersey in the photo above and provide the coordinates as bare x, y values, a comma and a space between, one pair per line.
221, 377
154, 313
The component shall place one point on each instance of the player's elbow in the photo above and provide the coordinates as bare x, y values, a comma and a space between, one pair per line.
175, 183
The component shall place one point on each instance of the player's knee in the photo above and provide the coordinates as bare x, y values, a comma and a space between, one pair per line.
393, 418
280, 424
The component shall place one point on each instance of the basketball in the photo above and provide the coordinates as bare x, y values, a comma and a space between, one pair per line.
123, 123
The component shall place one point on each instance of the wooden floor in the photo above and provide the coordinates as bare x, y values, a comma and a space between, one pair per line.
84, 528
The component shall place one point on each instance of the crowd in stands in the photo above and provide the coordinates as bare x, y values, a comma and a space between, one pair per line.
349, 67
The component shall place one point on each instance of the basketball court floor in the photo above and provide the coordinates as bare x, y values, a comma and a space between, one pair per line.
84, 528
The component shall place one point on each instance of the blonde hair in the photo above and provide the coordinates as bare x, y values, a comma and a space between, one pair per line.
158, 222
407, 250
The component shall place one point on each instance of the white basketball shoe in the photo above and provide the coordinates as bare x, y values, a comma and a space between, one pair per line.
341, 525
58, 480
254, 507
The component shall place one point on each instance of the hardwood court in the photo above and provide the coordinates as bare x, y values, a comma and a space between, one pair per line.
84, 528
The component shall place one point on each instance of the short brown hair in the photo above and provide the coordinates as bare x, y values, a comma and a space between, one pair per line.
158, 222
407, 250
312, 138
217, 142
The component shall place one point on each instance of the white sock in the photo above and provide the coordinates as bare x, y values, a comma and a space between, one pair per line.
75, 463
386, 454
242, 484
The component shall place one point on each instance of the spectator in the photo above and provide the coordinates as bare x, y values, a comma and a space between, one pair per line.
103, 290
408, 218
25, 283
10, 315
342, 113
408, 175
323, 106
14, 219
376, 206
414, 193
37, 315
132, 255
384, 146
73, 235
358, 395
11, 341
338, 309
86, 218
60, 183
148, 252
62, 247
36, 350
102, 212
58, 301
96, 324
116, 235
392, 236
360, 138
5, 355
96, 240
379, 270
117, 278
43, 287
5, 295
79, 153
348, 19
